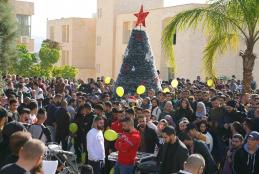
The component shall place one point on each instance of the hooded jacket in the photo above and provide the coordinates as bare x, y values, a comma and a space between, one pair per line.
127, 146
246, 163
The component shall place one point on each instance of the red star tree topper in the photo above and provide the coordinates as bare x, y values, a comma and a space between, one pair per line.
141, 17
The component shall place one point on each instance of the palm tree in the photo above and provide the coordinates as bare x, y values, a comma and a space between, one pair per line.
225, 22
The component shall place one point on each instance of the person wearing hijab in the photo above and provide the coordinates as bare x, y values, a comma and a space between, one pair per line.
201, 111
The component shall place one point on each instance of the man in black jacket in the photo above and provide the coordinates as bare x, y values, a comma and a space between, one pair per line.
196, 146
149, 137
246, 159
173, 153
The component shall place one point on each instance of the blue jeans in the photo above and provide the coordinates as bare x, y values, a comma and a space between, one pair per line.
123, 169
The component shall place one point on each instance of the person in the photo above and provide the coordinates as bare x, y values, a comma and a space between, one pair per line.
203, 128
160, 127
216, 123
38, 130
232, 114
149, 138
127, 146
62, 125
13, 114
196, 146
71, 108
30, 157
194, 133
51, 111
155, 110
17, 140
194, 164
246, 159
83, 119
33, 106
201, 112
168, 110
150, 124
8, 130
95, 145
146, 104
236, 144
3, 119
185, 110
117, 118
173, 153
25, 117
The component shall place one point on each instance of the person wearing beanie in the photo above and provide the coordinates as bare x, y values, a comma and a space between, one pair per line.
246, 159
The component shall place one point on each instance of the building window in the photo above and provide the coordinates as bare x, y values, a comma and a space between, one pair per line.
99, 13
174, 39
65, 33
65, 57
99, 40
126, 32
24, 25
51, 33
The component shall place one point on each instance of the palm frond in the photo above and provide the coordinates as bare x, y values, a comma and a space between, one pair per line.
223, 23
217, 45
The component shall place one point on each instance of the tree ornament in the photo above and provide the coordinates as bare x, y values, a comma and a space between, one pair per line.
141, 17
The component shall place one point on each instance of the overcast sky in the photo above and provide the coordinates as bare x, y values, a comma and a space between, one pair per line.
54, 9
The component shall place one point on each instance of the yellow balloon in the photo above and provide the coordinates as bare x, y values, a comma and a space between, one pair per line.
110, 135
107, 80
174, 83
210, 82
120, 91
166, 90
141, 89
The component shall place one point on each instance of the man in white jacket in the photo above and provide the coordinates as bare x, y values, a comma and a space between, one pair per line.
95, 145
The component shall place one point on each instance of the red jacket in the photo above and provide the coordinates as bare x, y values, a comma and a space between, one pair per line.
116, 126
127, 145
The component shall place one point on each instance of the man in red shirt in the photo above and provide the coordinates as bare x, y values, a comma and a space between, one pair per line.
116, 124
127, 146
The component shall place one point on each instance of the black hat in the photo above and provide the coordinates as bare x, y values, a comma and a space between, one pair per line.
191, 126
231, 103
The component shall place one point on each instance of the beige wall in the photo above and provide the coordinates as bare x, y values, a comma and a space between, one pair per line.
24, 8
188, 48
80, 45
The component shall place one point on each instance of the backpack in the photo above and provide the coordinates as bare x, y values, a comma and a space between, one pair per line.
46, 132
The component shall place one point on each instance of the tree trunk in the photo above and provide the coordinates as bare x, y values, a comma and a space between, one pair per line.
248, 66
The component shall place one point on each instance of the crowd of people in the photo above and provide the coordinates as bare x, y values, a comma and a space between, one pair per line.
191, 129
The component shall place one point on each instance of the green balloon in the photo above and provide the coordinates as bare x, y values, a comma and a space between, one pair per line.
73, 128
110, 135
112, 171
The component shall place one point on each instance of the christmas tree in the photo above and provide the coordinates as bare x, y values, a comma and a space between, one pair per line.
138, 67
